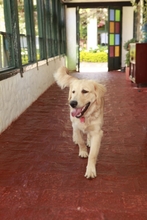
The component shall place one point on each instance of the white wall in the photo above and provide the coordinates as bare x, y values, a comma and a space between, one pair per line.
127, 29
18, 93
71, 38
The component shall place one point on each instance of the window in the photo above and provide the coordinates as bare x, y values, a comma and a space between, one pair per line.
22, 31
6, 45
27, 31
30, 30
36, 29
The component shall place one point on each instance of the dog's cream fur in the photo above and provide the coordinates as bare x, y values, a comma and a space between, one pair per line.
83, 91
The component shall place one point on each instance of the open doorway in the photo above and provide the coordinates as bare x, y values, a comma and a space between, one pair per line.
93, 40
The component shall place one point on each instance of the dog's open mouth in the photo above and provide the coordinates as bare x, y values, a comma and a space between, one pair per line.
78, 112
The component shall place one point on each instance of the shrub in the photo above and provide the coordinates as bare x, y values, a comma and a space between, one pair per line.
99, 57
127, 48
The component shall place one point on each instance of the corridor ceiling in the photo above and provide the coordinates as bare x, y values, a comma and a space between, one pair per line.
93, 3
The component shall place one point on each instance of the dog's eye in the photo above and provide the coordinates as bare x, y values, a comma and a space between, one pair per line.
73, 91
84, 91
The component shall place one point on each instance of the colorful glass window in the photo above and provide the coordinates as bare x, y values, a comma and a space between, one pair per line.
117, 27
111, 38
111, 14
111, 51
116, 51
117, 15
111, 27
117, 39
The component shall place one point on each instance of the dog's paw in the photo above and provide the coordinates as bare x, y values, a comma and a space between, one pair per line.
88, 144
83, 154
90, 172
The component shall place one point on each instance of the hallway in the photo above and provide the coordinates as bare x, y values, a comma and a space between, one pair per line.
42, 177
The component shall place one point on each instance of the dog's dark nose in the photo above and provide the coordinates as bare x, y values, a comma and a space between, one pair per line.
73, 103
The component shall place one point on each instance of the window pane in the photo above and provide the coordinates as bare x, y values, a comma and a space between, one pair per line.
116, 51
22, 31
111, 27
111, 51
36, 28
6, 50
111, 14
117, 39
117, 27
2, 20
117, 15
51, 28
111, 39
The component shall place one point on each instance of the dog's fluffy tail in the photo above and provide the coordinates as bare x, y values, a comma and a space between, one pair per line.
62, 78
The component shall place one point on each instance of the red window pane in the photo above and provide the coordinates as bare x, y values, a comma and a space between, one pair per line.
111, 51
117, 27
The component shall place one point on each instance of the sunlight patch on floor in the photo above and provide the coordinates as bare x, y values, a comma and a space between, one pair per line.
93, 67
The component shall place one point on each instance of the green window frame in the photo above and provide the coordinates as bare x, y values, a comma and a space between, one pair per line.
10, 56
51, 32
28, 52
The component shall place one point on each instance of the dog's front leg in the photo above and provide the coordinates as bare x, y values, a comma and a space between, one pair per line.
94, 150
78, 139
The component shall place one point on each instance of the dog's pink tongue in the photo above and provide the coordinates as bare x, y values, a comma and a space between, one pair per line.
76, 111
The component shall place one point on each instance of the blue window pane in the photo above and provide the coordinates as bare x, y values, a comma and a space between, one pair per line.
117, 39
111, 14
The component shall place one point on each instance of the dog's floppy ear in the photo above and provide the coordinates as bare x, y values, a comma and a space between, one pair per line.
100, 90
69, 95
62, 78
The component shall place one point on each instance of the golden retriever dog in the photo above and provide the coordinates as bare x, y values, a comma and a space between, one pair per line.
86, 101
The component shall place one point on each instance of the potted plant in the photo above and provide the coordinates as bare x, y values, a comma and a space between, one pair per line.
127, 60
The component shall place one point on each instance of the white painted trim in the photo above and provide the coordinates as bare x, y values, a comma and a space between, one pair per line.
127, 29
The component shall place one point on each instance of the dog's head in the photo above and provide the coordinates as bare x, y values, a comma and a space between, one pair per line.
84, 96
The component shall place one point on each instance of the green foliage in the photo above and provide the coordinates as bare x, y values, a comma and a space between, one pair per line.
127, 48
127, 60
83, 32
24, 60
85, 14
127, 43
98, 57
100, 48
144, 12
140, 6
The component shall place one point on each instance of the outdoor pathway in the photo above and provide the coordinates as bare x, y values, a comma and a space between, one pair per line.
93, 67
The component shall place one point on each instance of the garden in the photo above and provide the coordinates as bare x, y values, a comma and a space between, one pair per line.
99, 55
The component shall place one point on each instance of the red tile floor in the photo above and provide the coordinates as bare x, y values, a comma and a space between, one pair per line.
42, 177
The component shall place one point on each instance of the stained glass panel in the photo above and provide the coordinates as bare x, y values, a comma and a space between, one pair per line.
111, 38
111, 14
111, 27
117, 39
111, 51
117, 15
117, 51
117, 27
